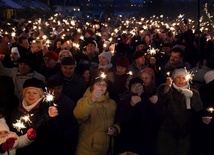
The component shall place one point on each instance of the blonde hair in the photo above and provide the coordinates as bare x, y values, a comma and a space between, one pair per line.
41, 92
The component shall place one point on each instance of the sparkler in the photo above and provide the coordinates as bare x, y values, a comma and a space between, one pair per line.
49, 96
152, 50
20, 124
130, 73
102, 75
210, 109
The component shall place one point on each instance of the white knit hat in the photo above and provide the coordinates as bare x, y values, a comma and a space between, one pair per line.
15, 50
3, 125
209, 76
181, 71
107, 55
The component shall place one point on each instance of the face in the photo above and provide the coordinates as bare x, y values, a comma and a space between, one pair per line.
140, 61
86, 75
180, 81
103, 61
137, 88
49, 63
120, 70
147, 78
175, 58
3, 134
25, 44
31, 95
24, 68
102, 86
90, 49
68, 70
58, 44
14, 56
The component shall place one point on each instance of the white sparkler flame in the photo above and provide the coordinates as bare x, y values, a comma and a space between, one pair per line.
19, 125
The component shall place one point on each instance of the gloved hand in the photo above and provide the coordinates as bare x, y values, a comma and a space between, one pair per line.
31, 134
135, 100
96, 93
187, 92
8, 143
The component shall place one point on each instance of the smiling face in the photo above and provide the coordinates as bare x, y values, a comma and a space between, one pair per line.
180, 81
32, 94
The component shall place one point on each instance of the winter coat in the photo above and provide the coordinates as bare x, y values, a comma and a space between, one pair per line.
95, 119
39, 117
176, 121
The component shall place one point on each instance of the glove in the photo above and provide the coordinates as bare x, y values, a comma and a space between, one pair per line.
8, 143
187, 92
31, 134
135, 100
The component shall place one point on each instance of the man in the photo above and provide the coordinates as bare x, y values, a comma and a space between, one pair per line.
73, 85
63, 131
176, 60
19, 75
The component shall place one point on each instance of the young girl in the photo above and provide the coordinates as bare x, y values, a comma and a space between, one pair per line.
10, 141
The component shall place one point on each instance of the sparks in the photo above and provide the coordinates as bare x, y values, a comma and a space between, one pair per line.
210, 110
19, 125
49, 96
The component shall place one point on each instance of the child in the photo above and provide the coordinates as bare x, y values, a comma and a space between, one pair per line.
10, 141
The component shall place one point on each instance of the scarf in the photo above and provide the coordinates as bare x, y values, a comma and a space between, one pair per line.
180, 89
30, 107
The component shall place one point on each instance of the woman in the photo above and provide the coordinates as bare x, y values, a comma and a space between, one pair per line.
33, 106
137, 118
180, 104
95, 112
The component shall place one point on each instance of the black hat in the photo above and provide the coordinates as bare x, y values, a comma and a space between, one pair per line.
135, 80
33, 82
81, 68
137, 55
28, 59
91, 41
54, 82
68, 61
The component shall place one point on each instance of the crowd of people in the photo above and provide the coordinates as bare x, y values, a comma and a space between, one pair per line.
119, 85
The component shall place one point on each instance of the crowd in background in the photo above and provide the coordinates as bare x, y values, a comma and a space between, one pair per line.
119, 84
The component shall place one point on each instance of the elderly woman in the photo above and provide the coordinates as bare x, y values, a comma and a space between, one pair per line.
95, 112
39, 113
180, 105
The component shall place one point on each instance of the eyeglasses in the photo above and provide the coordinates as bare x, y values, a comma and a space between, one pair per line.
137, 85
101, 84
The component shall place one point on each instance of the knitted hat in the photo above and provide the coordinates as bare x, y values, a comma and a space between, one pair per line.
107, 55
135, 80
150, 71
3, 125
122, 61
137, 55
68, 61
52, 55
15, 50
33, 82
209, 76
180, 71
